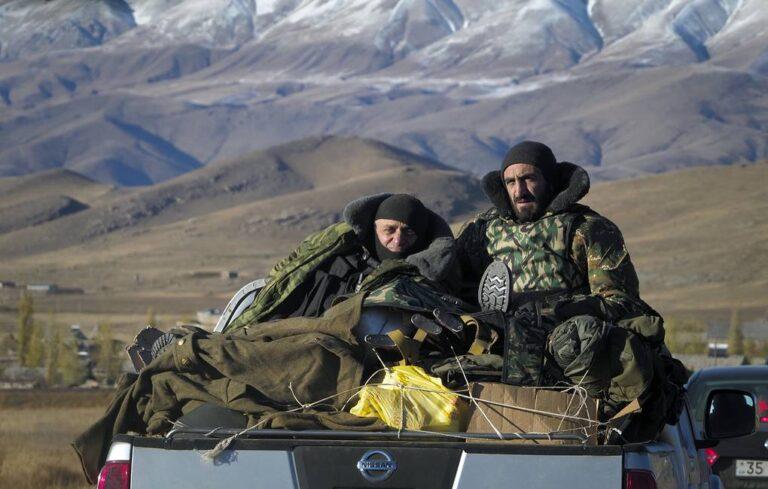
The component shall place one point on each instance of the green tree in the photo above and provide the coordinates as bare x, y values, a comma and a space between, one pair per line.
36, 347
735, 334
25, 325
52, 356
108, 360
685, 335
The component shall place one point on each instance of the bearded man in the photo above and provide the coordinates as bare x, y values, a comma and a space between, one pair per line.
548, 247
559, 279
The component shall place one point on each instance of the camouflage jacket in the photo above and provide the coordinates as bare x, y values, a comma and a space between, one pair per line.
356, 231
571, 247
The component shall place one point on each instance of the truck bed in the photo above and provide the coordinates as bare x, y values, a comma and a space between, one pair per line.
293, 460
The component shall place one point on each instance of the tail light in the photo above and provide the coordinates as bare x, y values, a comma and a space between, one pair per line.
115, 475
762, 406
711, 455
639, 479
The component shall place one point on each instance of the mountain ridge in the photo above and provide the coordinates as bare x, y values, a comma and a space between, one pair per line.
310, 167
182, 85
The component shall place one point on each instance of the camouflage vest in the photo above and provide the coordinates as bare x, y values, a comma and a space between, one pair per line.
538, 253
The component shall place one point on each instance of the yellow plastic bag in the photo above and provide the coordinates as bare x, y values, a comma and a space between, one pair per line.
410, 399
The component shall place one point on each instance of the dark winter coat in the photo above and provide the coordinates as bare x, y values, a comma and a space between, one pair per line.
291, 279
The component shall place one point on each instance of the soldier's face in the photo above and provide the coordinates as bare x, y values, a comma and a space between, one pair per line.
528, 191
396, 236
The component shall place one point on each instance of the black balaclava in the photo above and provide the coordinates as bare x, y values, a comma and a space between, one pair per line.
533, 153
409, 210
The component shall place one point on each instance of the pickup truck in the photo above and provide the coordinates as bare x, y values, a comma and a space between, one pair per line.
275, 459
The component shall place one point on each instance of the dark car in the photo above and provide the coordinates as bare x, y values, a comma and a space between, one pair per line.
741, 463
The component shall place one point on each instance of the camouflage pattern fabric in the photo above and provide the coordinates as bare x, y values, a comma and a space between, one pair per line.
612, 363
536, 253
525, 340
408, 293
608, 338
292, 270
587, 252
396, 283
599, 246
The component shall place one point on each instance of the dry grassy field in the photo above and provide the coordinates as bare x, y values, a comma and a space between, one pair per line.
36, 428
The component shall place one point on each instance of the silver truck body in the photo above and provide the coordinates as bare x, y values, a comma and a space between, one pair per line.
300, 460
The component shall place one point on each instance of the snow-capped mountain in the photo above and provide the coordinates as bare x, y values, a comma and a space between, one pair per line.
138, 91
30, 27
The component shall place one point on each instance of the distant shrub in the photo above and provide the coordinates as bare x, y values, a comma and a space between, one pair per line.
685, 335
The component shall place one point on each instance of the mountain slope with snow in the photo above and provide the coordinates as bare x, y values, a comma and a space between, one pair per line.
139, 91
28, 27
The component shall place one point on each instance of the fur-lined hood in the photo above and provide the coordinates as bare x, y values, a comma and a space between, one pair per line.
434, 262
572, 183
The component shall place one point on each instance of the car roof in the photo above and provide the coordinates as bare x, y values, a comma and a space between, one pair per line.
744, 372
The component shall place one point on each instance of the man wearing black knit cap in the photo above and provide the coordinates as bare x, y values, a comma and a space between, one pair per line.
527, 173
545, 244
344, 257
400, 224
557, 277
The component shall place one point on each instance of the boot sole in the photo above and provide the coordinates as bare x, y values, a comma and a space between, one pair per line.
493, 292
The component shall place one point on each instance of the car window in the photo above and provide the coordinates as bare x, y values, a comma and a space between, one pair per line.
699, 391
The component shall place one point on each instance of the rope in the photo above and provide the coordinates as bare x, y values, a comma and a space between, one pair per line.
576, 391
224, 444
583, 399
290, 388
472, 398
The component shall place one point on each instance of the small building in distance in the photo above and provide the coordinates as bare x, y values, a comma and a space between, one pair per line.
43, 288
53, 289
717, 349
18, 377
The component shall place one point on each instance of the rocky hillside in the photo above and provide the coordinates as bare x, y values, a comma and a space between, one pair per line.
134, 92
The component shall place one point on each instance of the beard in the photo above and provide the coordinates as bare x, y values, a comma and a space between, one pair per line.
528, 213
530, 207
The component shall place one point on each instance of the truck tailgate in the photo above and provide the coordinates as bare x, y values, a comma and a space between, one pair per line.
386, 465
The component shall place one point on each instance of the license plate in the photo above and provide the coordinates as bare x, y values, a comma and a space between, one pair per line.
752, 468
